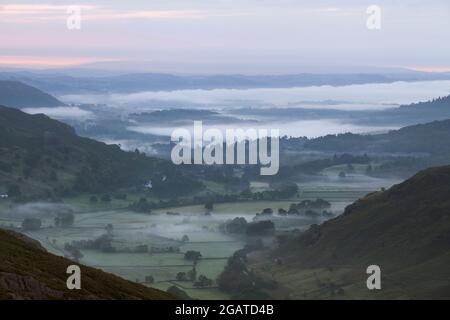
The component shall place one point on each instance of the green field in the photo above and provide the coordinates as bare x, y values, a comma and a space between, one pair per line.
162, 230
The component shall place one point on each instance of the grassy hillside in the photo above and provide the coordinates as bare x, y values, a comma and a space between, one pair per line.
27, 271
405, 230
43, 157
19, 95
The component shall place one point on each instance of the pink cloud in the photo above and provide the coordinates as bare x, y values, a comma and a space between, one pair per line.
428, 68
43, 12
30, 61
21, 9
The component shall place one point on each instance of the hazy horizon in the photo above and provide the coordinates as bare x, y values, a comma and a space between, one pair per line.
246, 37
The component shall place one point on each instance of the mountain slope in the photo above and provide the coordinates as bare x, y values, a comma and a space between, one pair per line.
40, 156
409, 223
19, 95
426, 138
27, 271
405, 230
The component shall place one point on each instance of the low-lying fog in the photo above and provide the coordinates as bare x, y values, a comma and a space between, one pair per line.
352, 97
306, 128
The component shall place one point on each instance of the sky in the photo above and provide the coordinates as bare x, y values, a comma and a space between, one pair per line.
225, 36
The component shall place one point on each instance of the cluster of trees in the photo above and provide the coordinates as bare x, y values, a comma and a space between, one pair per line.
239, 225
169, 249
306, 207
102, 243
192, 255
72, 252
191, 275
145, 206
142, 206
287, 190
260, 228
236, 226
106, 198
315, 166
64, 219
242, 282
201, 282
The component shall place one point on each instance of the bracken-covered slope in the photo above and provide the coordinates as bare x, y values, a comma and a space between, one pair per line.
405, 230
27, 271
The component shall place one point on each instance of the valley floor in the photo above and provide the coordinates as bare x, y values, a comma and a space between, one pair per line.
161, 230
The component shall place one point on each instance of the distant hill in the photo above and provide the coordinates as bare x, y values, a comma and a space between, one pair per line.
405, 230
59, 82
421, 112
422, 138
40, 157
27, 271
183, 116
19, 95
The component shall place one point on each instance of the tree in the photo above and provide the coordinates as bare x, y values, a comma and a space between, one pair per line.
209, 205
192, 274
247, 193
142, 206
109, 228
182, 276
93, 199
73, 251
192, 255
237, 225
64, 219
149, 279
185, 238
203, 282
342, 174
260, 227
